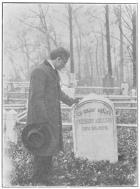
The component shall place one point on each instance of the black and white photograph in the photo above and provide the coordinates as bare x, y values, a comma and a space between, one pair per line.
69, 94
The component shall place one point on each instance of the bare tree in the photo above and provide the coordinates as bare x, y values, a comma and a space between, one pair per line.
44, 26
78, 39
97, 60
128, 19
94, 19
32, 36
103, 50
118, 13
16, 75
69, 18
71, 38
78, 45
108, 40
86, 39
134, 46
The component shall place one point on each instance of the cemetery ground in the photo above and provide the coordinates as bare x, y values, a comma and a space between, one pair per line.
71, 171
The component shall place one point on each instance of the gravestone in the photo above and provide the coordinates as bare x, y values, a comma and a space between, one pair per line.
124, 88
9, 87
133, 92
11, 130
73, 80
4, 120
65, 79
94, 129
69, 91
65, 83
108, 81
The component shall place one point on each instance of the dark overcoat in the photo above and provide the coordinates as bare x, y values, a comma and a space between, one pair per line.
44, 105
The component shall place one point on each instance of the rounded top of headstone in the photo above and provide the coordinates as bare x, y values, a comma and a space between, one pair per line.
4, 113
93, 96
12, 112
133, 90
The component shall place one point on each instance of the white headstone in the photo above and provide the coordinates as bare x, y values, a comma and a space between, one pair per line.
9, 87
125, 88
133, 92
4, 120
94, 129
69, 91
73, 80
65, 79
11, 130
26, 105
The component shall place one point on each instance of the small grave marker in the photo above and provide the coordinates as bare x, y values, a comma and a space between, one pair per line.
65, 79
133, 92
124, 88
11, 130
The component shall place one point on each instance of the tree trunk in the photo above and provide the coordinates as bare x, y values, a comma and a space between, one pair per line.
116, 75
79, 59
98, 83
71, 39
92, 80
86, 69
48, 43
44, 24
108, 41
103, 53
17, 75
88, 77
134, 47
121, 46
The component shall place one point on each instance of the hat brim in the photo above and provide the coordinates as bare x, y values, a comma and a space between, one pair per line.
42, 128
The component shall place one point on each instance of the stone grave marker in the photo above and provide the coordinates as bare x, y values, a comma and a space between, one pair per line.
11, 130
125, 88
133, 92
65, 83
94, 129
4, 120
108, 81
65, 79
69, 91
73, 80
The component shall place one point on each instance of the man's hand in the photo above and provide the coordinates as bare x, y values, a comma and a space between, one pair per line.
77, 100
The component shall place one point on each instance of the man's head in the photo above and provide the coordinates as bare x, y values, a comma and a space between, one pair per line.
59, 57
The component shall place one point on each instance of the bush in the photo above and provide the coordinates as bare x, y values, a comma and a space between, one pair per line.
71, 171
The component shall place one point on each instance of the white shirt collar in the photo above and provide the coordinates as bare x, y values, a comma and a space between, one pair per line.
51, 64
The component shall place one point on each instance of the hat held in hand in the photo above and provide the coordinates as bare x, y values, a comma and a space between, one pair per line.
36, 137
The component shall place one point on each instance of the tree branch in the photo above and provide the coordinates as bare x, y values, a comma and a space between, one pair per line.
129, 11
61, 14
77, 9
60, 21
30, 25
113, 37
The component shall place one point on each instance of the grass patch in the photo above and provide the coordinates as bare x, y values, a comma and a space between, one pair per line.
71, 171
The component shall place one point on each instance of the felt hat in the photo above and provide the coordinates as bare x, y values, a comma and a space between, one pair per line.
36, 137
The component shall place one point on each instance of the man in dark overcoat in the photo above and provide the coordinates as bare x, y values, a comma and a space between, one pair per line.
44, 108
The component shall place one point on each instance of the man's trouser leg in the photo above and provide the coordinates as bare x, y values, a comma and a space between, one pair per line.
42, 168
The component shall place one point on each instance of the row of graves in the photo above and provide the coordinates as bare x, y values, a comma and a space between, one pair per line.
69, 84
94, 120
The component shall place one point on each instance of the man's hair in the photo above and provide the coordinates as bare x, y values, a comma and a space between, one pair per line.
59, 52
